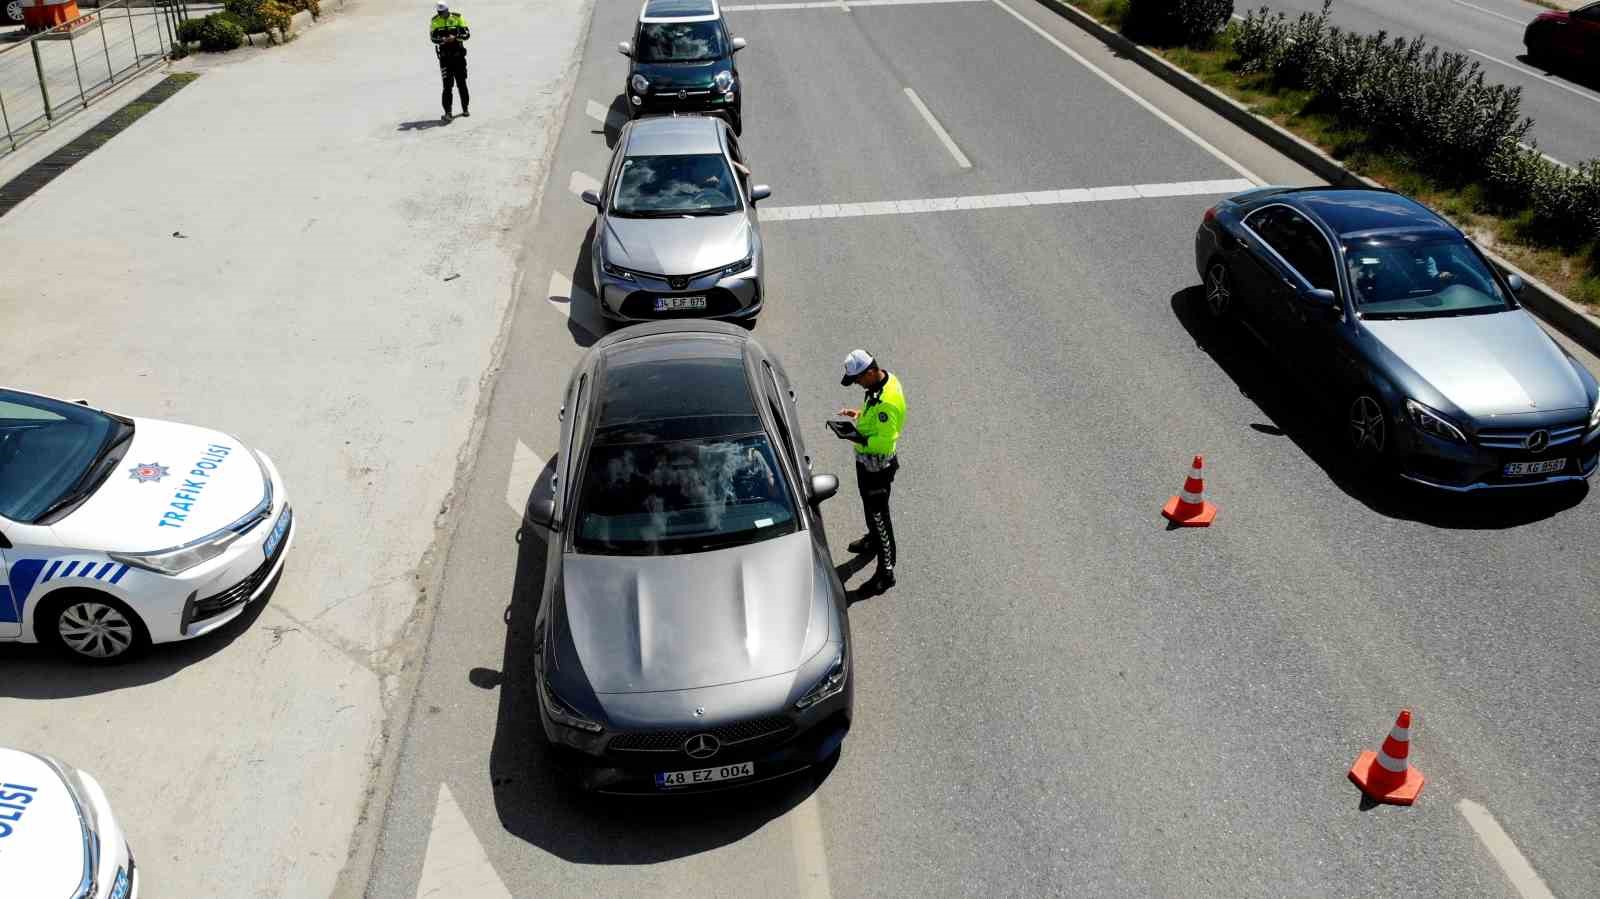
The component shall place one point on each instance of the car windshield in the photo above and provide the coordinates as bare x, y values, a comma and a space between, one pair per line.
53, 454
679, 42
1421, 279
682, 496
660, 186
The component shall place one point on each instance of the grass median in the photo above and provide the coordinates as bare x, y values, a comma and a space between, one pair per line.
1569, 263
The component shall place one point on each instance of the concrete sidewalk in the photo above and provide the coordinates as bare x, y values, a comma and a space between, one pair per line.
293, 250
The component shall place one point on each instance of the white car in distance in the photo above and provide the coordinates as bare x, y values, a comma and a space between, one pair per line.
119, 532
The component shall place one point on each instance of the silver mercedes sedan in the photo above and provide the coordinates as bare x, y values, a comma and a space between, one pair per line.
676, 234
692, 632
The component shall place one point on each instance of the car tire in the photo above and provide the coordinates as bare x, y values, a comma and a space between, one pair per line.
1219, 290
92, 627
14, 12
1368, 431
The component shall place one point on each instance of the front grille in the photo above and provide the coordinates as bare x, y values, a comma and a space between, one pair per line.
738, 734
1517, 438
642, 303
216, 604
671, 93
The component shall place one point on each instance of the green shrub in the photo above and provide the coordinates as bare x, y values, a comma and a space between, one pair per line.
220, 31
1170, 23
189, 30
260, 15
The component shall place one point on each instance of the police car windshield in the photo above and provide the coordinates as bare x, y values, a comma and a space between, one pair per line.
1409, 278
52, 454
682, 496
664, 186
679, 42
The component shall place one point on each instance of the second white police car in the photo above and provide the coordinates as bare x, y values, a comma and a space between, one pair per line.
58, 836
119, 532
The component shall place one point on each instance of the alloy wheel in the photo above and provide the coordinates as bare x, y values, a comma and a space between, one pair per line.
95, 629
1367, 432
1219, 290
14, 11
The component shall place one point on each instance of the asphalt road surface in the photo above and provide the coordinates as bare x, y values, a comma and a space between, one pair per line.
1062, 696
1564, 110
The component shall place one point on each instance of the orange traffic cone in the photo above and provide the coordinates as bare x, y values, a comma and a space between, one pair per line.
1385, 775
1188, 509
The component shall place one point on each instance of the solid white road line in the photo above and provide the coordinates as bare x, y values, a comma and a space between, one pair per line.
1505, 852
525, 468
938, 129
1491, 12
563, 295
456, 863
1227, 160
1539, 75
581, 182
810, 855
996, 201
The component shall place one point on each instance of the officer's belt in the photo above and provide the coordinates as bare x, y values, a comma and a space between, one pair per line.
874, 462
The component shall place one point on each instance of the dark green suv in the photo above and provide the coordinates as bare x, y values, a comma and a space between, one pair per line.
683, 62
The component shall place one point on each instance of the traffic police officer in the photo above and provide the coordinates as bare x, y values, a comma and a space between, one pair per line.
449, 33
878, 424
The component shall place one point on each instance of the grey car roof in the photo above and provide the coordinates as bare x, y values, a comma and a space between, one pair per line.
1353, 211
675, 136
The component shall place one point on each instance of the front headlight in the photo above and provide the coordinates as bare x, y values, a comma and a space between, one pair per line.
723, 81
562, 713
616, 271
742, 265
182, 558
828, 687
1433, 424
1594, 416
639, 83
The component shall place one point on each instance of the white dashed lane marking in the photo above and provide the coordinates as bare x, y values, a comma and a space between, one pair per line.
581, 182
525, 468
996, 201
1506, 854
604, 115
456, 863
1547, 79
938, 129
810, 855
575, 304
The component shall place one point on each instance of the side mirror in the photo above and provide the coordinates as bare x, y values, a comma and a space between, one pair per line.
590, 197
823, 487
542, 512
739, 43
760, 192
1516, 282
625, 48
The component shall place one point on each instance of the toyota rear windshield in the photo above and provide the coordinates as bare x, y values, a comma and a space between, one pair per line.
679, 42
1396, 278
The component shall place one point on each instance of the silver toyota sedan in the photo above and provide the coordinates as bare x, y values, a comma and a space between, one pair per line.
676, 234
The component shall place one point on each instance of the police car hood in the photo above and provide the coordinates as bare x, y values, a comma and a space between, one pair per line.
176, 484
43, 855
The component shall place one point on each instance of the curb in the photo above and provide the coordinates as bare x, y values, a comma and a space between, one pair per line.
1563, 314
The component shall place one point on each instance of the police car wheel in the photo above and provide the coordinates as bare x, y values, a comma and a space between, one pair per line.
95, 628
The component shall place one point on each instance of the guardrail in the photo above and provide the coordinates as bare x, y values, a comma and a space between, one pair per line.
50, 75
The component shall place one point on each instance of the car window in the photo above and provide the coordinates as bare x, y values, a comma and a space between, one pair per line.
1414, 279
577, 423
663, 186
1299, 242
46, 449
741, 167
679, 42
682, 496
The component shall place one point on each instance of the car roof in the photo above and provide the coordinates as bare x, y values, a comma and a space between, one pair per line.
1351, 212
677, 375
679, 11
674, 136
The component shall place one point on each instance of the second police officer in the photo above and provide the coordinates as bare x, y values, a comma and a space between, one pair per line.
878, 424
450, 34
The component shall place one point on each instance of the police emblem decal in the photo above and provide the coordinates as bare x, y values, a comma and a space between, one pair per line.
148, 472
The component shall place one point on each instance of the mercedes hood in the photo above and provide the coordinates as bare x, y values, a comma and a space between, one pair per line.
682, 245
43, 841
654, 623
1487, 365
176, 484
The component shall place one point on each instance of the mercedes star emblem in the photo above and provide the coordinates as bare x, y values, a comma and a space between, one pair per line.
701, 746
1538, 441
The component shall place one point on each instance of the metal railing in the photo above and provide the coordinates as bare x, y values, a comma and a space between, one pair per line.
50, 75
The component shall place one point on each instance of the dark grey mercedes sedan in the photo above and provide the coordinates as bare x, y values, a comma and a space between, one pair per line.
692, 632
1433, 368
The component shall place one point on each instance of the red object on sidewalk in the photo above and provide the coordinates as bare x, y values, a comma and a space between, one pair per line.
1387, 775
1189, 508
39, 15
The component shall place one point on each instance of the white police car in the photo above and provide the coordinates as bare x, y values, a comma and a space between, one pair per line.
58, 837
119, 532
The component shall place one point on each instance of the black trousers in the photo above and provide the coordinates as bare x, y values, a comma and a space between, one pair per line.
454, 71
875, 487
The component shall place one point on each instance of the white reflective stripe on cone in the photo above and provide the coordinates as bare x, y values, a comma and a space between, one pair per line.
1192, 499
1400, 734
1396, 766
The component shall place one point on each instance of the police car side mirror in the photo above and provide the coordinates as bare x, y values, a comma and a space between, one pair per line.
590, 197
823, 487
739, 44
760, 192
542, 512
625, 48
1516, 282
